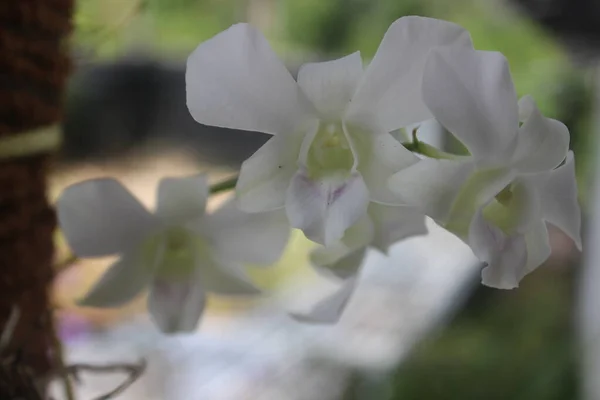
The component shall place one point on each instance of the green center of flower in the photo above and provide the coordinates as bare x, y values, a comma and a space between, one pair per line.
505, 211
469, 199
181, 251
329, 151
505, 196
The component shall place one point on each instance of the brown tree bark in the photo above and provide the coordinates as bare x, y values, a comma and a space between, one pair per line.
34, 66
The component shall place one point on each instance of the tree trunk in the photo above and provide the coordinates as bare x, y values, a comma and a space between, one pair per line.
34, 65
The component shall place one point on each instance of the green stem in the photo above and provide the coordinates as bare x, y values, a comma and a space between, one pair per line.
223, 186
416, 146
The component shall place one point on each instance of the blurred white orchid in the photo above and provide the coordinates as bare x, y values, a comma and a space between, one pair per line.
381, 227
498, 199
179, 252
332, 151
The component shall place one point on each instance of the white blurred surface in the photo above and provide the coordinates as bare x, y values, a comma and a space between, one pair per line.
267, 355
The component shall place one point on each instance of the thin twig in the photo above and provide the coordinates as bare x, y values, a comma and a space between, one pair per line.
9, 328
222, 186
64, 375
134, 371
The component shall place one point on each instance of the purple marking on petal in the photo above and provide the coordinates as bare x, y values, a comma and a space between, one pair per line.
336, 194
168, 289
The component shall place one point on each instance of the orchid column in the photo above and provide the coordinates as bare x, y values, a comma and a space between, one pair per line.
34, 67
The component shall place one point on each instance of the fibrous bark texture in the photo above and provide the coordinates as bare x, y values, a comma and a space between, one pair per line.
34, 66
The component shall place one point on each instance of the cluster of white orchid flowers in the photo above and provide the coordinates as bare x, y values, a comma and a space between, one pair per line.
334, 170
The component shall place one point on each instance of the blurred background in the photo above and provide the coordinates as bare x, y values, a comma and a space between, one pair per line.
421, 326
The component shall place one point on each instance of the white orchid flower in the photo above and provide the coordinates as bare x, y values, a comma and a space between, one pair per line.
179, 252
498, 199
379, 228
332, 151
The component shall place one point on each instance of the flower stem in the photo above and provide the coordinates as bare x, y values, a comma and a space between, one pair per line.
416, 146
223, 186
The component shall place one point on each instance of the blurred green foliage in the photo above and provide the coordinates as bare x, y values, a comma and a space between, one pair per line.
515, 345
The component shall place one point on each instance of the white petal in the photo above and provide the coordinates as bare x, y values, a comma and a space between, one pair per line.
526, 107
323, 209
333, 262
379, 158
234, 80
506, 256
395, 223
538, 246
343, 258
330, 309
542, 143
176, 305
224, 277
559, 200
431, 185
125, 279
257, 238
390, 91
265, 177
472, 95
182, 199
100, 217
507, 269
330, 85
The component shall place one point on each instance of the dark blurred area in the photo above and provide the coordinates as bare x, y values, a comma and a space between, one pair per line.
115, 108
501, 345
575, 22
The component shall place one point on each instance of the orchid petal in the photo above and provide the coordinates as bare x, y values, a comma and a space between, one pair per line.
330, 309
526, 107
559, 200
235, 80
257, 238
182, 199
395, 223
333, 262
323, 209
472, 95
379, 158
224, 278
265, 177
538, 246
431, 185
543, 142
343, 258
330, 85
506, 256
390, 90
125, 279
176, 305
100, 217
